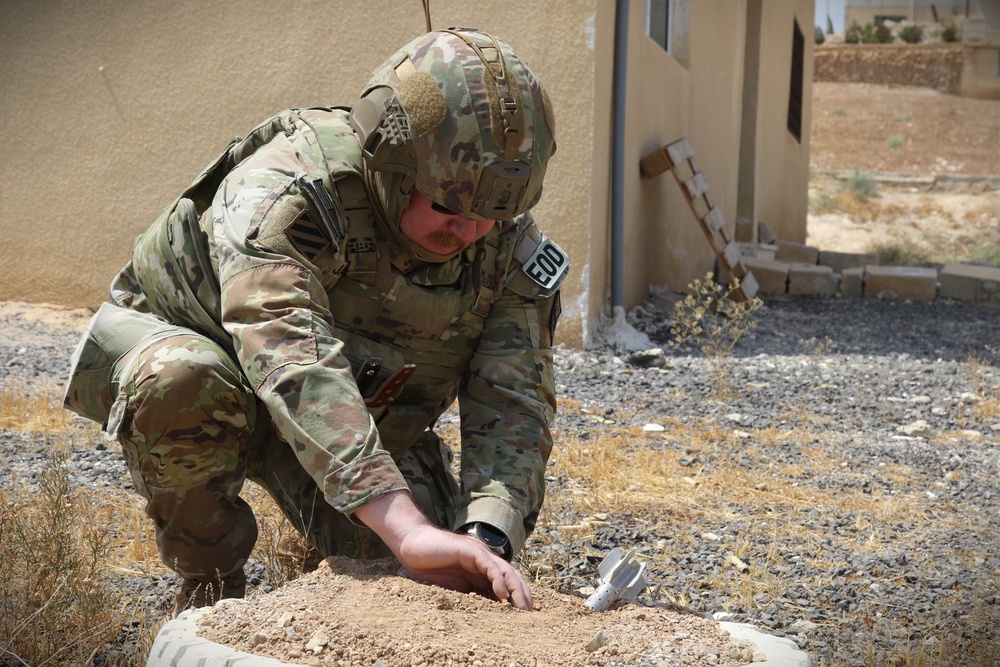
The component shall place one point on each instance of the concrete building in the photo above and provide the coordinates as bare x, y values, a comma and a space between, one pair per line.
981, 55
109, 109
914, 11
978, 23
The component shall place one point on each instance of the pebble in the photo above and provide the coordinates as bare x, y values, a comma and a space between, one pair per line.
924, 588
598, 641
911, 351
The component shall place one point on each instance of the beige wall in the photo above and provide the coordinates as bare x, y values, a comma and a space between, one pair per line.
700, 95
781, 163
670, 98
109, 109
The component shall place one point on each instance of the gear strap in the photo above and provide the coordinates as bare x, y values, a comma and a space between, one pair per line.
361, 246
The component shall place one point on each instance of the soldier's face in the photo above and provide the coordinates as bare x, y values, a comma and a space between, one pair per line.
437, 229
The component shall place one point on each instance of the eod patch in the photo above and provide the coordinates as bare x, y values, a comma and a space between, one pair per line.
547, 264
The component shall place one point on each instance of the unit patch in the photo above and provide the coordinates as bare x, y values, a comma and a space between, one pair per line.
547, 264
309, 240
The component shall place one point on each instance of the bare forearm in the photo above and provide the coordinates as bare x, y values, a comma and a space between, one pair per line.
392, 516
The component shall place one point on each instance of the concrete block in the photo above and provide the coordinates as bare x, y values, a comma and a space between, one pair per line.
812, 279
764, 233
771, 275
758, 250
767, 250
178, 645
852, 282
970, 283
789, 251
906, 282
839, 261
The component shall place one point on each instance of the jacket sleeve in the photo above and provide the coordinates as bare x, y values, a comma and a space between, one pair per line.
277, 312
507, 404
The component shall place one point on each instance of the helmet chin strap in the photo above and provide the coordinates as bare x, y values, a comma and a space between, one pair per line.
392, 196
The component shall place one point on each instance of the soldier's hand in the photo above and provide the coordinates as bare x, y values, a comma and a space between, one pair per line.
435, 556
461, 563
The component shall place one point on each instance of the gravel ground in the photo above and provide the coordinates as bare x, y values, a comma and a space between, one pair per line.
853, 469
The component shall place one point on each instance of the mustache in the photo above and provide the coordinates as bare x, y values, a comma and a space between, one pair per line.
446, 240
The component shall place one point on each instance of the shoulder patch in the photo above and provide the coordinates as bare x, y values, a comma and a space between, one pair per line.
546, 265
305, 236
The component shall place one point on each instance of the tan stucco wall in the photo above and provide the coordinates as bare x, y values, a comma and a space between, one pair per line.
698, 92
781, 196
697, 97
108, 109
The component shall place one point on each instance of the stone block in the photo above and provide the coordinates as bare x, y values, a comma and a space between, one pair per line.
758, 250
771, 275
839, 261
764, 233
852, 282
970, 283
767, 250
906, 282
789, 251
811, 279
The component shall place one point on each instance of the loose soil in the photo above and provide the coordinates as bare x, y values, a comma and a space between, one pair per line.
941, 134
349, 613
938, 196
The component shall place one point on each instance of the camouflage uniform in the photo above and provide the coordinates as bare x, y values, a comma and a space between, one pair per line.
240, 332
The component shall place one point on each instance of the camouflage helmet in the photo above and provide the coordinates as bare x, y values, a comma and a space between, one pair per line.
460, 116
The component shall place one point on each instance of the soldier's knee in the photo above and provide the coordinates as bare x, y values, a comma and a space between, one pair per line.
189, 389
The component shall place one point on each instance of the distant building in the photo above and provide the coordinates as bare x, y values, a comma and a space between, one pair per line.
981, 54
978, 23
914, 11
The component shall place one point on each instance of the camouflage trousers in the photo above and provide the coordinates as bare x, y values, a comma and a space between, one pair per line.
192, 432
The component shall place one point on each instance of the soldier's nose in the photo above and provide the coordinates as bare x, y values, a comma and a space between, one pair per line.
463, 229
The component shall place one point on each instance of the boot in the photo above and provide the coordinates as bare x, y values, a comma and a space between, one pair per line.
196, 593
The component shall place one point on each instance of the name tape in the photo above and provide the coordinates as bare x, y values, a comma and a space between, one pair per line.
547, 264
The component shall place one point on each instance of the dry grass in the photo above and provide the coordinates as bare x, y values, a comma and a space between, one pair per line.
54, 545
57, 547
708, 319
984, 398
735, 480
919, 229
24, 408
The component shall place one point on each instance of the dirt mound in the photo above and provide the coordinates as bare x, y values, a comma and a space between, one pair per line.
937, 66
351, 613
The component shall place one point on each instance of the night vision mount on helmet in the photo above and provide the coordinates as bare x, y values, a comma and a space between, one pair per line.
461, 117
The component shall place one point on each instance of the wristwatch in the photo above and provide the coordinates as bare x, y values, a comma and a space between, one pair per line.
490, 536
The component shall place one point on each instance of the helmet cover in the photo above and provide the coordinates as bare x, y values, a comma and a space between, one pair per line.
463, 118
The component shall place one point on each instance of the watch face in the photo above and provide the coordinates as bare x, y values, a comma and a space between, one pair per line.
493, 538
490, 536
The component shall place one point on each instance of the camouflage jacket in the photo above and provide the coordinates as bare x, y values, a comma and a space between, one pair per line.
288, 270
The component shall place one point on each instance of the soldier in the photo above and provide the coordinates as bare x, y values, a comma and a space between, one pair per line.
306, 310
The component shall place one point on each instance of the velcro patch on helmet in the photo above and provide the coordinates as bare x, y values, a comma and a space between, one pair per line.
423, 102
